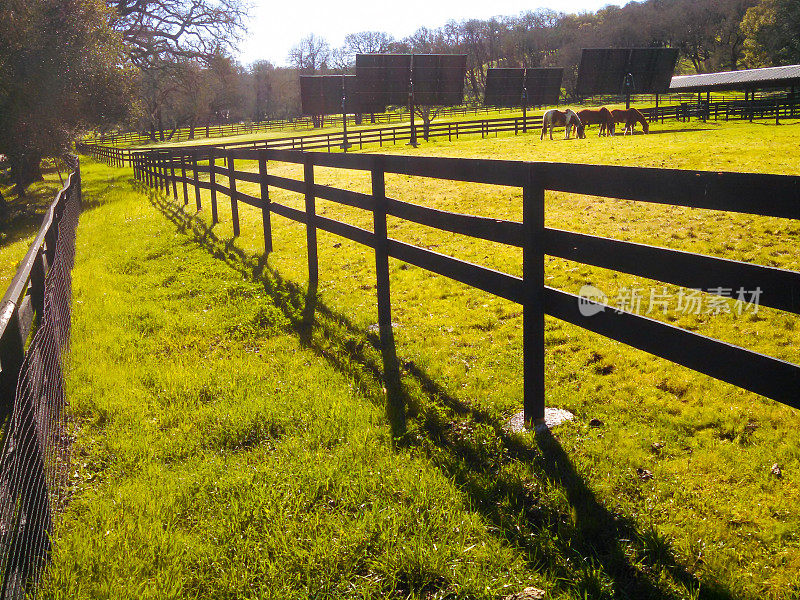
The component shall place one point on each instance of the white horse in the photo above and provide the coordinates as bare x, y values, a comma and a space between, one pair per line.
567, 119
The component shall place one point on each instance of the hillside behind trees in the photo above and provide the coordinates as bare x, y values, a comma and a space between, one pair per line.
159, 65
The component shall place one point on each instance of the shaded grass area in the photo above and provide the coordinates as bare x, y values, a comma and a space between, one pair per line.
22, 223
712, 506
218, 456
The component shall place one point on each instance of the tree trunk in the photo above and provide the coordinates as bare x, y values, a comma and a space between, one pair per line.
3, 207
160, 126
25, 169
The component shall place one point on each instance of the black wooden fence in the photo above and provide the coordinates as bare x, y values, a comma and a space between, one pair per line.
35, 450
174, 170
777, 108
230, 129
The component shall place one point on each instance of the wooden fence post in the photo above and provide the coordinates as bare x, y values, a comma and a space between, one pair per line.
395, 406
197, 200
265, 212
183, 177
162, 174
212, 180
311, 226
172, 175
232, 185
533, 298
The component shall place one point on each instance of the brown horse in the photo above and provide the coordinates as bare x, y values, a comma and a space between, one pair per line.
630, 117
601, 116
567, 119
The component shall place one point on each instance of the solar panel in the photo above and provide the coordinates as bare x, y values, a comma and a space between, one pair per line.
381, 80
543, 85
504, 87
322, 94
605, 70
652, 69
439, 79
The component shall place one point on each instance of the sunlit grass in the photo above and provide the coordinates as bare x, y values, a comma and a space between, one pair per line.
716, 436
22, 223
226, 451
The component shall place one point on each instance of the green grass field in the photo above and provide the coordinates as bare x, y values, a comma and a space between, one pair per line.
224, 449
23, 221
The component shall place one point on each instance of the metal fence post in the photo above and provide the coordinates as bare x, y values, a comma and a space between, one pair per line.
533, 298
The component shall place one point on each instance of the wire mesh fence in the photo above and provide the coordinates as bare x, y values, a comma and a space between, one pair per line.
35, 444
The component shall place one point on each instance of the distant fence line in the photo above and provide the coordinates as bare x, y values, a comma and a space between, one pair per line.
224, 130
777, 108
175, 170
34, 463
304, 123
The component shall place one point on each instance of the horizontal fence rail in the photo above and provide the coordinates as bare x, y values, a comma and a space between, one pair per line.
779, 107
224, 130
756, 194
35, 452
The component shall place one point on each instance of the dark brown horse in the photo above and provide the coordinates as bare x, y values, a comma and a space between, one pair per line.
601, 116
630, 117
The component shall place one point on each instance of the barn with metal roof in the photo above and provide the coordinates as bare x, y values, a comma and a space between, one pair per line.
745, 80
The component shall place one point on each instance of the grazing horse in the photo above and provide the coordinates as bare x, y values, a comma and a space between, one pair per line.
601, 116
567, 119
630, 117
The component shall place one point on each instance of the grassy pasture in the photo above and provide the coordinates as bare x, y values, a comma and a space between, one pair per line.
23, 221
205, 411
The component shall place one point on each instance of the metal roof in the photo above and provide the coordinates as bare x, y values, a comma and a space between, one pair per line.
748, 79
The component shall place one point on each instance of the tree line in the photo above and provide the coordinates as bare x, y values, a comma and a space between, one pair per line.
69, 66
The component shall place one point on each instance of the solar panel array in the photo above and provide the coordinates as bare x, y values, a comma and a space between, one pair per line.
504, 87
439, 79
322, 94
543, 85
606, 70
381, 80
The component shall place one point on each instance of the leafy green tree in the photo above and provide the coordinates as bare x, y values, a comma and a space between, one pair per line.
772, 33
61, 71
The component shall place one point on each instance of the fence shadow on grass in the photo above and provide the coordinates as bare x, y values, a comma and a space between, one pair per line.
590, 550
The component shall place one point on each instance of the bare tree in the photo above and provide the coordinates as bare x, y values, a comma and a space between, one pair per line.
368, 42
155, 30
311, 54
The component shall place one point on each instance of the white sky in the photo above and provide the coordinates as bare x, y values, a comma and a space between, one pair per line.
276, 26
